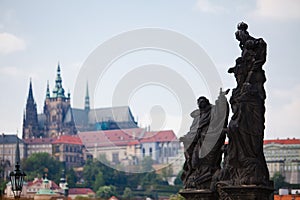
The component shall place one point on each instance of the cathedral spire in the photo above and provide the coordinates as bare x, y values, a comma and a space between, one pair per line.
58, 79
47, 91
87, 99
30, 120
58, 91
30, 94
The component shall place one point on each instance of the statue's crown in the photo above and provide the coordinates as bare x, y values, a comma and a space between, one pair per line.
242, 26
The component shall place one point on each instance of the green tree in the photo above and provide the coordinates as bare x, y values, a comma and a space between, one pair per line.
106, 191
90, 171
166, 172
71, 178
147, 163
99, 181
176, 197
2, 187
81, 198
127, 193
35, 165
151, 179
278, 180
178, 180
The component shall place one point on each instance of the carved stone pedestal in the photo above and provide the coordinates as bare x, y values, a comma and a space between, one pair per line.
198, 194
247, 192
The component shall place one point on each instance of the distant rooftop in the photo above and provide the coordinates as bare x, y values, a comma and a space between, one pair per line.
68, 139
78, 191
282, 141
124, 137
9, 139
39, 140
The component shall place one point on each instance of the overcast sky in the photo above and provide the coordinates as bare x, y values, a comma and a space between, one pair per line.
36, 35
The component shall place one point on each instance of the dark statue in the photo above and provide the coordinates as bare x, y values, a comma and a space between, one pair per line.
245, 163
203, 143
244, 174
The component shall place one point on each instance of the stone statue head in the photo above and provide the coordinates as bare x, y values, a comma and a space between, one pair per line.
242, 34
203, 102
242, 26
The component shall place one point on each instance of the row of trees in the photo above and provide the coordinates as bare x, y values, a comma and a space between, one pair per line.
105, 181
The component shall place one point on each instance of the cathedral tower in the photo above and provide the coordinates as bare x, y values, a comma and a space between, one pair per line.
30, 119
58, 111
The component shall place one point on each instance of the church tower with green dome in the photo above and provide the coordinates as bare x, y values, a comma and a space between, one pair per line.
58, 111
58, 117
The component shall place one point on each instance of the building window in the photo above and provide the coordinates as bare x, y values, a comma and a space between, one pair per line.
115, 158
150, 151
144, 152
53, 118
57, 148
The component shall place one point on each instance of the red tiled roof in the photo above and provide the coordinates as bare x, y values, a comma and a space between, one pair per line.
134, 142
113, 198
283, 141
39, 140
68, 139
80, 191
119, 137
53, 185
159, 136
124, 137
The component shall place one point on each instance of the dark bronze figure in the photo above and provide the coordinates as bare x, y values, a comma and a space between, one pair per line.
244, 174
203, 143
245, 163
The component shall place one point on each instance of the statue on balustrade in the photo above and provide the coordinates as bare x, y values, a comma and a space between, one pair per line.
203, 143
245, 163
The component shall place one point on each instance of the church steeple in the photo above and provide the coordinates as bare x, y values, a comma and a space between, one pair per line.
57, 109
48, 91
58, 91
30, 121
30, 94
87, 99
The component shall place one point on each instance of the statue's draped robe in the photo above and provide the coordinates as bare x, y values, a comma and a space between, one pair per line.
203, 145
245, 163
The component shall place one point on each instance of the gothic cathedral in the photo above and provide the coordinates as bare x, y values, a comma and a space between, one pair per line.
57, 117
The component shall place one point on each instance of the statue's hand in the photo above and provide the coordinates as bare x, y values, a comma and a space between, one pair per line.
181, 139
223, 93
230, 70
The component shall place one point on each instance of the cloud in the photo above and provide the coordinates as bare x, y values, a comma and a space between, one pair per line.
17, 72
10, 71
283, 120
209, 7
9, 43
277, 9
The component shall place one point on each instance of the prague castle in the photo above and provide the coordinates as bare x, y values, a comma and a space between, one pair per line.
59, 117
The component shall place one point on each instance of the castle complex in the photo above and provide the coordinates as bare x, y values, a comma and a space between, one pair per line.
60, 118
